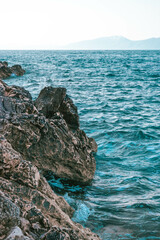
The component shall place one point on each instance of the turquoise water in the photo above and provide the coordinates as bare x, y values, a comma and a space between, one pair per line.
118, 97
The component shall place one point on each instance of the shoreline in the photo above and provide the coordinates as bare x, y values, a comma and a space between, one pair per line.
36, 137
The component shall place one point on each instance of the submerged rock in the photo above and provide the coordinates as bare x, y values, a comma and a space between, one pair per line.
36, 137
6, 71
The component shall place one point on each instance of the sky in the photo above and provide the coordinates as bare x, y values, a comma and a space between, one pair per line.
48, 24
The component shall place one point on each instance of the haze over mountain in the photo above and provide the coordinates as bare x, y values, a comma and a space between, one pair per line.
115, 43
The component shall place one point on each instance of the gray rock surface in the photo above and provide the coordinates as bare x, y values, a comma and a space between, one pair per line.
17, 234
9, 214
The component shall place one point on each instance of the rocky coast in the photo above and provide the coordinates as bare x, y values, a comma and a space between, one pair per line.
37, 137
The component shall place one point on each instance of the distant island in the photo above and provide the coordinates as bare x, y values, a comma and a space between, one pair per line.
115, 43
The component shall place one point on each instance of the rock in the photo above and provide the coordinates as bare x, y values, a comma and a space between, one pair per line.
9, 214
14, 100
35, 138
24, 224
52, 100
52, 134
69, 113
17, 234
3, 64
57, 234
49, 100
67, 154
17, 70
6, 71
93, 144
27, 201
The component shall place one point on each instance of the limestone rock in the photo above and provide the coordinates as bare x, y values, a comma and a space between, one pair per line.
28, 203
35, 138
51, 138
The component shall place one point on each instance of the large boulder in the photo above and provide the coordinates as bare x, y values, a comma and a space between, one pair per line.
47, 132
49, 100
52, 100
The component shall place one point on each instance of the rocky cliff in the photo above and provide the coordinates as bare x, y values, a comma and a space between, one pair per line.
37, 137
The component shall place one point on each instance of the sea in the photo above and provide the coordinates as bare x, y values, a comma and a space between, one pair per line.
118, 98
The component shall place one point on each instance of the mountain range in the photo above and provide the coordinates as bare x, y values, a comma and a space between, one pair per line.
115, 43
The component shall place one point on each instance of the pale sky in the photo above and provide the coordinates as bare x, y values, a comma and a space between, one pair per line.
43, 24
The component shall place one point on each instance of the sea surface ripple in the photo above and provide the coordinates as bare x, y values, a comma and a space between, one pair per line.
118, 97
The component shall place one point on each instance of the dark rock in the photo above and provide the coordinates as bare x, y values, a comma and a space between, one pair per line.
49, 100
56, 234
17, 70
3, 64
6, 71
93, 144
69, 113
52, 100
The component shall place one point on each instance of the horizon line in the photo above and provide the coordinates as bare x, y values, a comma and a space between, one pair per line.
63, 47
79, 49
